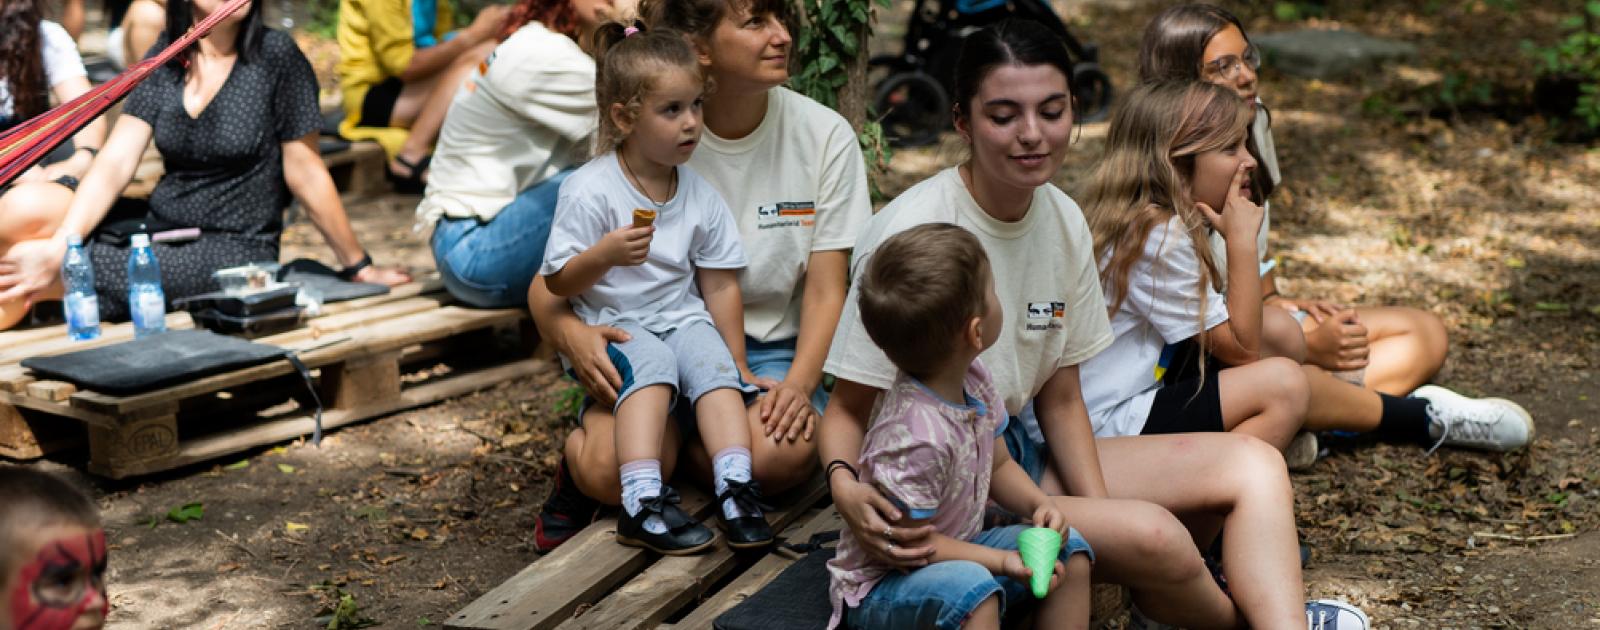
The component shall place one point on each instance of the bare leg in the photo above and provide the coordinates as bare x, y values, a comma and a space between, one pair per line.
422, 105
1407, 347
28, 212
591, 453
986, 616
1067, 607
1339, 405
1235, 477
777, 466
1266, 399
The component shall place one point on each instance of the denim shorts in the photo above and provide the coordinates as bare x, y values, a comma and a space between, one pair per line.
944, 594
490, 264
772, 359
1030, 455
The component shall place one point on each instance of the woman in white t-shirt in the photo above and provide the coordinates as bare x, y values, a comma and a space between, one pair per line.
38, 59
1389, 351
793, 175
1013, 107
516, 129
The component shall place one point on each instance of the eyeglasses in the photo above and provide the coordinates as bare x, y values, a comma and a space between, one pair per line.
1228, 67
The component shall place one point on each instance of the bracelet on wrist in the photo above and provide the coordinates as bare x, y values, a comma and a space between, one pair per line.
837, 464
349, 273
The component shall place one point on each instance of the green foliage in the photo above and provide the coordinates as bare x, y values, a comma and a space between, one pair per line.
825, 47
569, 401
324, 20
187, 512
1577, 56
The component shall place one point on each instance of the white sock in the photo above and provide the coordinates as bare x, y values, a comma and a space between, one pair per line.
731, 464
641, 479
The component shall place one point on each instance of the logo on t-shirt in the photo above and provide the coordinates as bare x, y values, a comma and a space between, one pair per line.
1050, 312
786, 214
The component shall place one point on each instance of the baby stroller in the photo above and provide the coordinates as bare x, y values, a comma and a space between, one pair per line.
914, 95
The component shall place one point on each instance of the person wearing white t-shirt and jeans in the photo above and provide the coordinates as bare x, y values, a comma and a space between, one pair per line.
792, 172
1013, 107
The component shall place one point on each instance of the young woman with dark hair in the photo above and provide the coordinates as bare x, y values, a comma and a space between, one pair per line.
237, 129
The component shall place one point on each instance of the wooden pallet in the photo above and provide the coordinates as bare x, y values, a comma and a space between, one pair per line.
591, 582
360, 352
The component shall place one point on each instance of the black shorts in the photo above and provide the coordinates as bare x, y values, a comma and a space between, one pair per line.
1186, 402
378, 105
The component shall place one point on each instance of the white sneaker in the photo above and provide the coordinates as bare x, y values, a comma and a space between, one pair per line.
1493, 424
1328, 614
1302, 452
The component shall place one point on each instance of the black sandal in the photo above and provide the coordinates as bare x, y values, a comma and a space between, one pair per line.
751, 530
412, 183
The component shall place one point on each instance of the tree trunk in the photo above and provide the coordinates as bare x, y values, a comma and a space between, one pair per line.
854, 96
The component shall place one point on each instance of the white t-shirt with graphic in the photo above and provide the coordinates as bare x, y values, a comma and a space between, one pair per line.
693, 230
1045, 276
1162, 307
61, 62
797, 185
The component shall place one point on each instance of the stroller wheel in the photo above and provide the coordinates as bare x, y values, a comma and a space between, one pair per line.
1092, 89
914, 108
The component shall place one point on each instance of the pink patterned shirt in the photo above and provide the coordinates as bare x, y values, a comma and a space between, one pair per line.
932, 457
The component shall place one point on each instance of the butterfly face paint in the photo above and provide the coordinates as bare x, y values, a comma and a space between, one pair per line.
64, 582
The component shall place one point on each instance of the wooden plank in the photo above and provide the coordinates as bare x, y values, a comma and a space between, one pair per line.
64, 409
545, 594
53, 391
763, 572
149, 435
229, 442
364, 340
26, 433
672, 582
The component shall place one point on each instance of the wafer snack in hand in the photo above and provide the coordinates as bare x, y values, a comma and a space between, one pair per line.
643, 218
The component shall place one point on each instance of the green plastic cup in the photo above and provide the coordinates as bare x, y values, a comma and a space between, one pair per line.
1039, 547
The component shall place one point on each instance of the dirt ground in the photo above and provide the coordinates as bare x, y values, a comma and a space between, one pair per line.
1476, 214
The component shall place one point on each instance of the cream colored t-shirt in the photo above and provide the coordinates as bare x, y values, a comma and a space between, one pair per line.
1261, 130
1055, 315
796, 185
523, 119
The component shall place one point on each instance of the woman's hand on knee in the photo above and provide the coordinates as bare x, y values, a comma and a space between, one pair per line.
1338, 343
868, 514
584, 347
786, 412
387, 276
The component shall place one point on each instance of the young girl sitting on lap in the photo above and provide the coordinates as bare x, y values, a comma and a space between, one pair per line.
936, 449
602, 253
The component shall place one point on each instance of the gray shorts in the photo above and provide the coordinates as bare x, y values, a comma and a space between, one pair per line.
692, 359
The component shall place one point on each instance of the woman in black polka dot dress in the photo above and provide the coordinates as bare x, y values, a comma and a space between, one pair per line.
236, 121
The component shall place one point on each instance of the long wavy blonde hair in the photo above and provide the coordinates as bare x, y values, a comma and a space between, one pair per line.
1144, 178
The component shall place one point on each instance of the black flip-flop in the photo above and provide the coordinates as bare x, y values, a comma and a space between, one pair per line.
411, 184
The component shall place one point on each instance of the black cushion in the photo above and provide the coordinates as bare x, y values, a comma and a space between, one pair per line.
795, 600
153, 362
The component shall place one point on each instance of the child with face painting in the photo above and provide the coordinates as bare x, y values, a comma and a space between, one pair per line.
642, 243
52, 554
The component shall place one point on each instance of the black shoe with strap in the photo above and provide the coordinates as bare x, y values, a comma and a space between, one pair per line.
749, 531
565, 513
684, 536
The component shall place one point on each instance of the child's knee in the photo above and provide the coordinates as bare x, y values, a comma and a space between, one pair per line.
1286, 383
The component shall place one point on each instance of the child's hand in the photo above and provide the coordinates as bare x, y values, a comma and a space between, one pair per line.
1239, 219
626, 247
1014, 568
1046, 515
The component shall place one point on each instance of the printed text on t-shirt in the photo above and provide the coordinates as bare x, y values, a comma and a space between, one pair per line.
786, 214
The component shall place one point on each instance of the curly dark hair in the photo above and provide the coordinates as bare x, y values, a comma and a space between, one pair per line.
22, 56
556, 15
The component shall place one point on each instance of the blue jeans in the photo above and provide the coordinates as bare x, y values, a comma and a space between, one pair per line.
772, 359
942, 595
490, 265
1028, 453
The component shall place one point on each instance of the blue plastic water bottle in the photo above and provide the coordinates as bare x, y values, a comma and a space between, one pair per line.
83, 308
146, 303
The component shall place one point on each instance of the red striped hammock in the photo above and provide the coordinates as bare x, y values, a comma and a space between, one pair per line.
24, 145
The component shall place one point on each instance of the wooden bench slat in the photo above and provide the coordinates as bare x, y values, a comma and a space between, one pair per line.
228, 442
363, 340
545, 593
672, 582
762, 573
